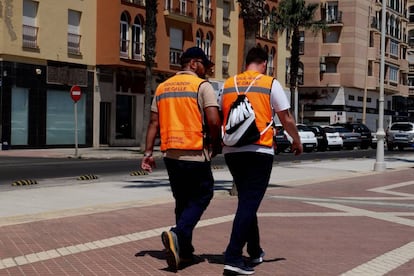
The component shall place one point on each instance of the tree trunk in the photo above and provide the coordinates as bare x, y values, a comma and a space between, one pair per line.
150, 42
294, 68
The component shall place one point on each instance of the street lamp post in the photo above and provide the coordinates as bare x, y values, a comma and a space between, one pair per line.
379, 163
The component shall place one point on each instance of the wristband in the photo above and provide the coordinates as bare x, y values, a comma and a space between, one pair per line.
148, 154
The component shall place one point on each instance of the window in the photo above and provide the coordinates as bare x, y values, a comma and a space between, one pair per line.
360, 98
207, 45
74, 36
270, 68
394, 48
176, 45
183, 6
208, 11
226, 17
19, 116
30, 28
225, 69
124, 36
199, 38
393, 76
137, 39
200, 9
351, 97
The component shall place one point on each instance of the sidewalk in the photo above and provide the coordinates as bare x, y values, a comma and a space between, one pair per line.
318, 218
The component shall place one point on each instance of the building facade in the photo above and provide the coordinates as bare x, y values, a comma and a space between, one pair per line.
341, 65
120, 59
45, 49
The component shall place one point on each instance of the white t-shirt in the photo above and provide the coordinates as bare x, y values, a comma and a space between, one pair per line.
279, 102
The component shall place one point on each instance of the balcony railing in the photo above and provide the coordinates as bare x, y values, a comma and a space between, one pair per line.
334, 18
30, 36
226, 25
225, 69
180, 7
123, 48
175, 55
74, 43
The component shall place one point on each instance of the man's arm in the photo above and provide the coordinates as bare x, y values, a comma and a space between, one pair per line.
289, 125
214, 126
148, 161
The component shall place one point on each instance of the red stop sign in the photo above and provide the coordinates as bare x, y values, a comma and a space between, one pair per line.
75, 93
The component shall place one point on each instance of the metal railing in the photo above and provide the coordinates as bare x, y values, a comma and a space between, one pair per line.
30, 36
175, 55
123, 48
74, 43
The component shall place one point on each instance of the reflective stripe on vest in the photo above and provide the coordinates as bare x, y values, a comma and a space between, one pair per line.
179, 114
259, 97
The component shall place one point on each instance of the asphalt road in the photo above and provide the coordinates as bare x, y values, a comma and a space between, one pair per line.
18, 168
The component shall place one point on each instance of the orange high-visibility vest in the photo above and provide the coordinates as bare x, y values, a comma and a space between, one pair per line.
259, 98
181, 124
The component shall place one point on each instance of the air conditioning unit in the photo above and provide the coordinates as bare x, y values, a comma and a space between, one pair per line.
322, 67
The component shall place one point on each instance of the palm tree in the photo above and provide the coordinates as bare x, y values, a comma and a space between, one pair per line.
150, 41
292, 16
251, 11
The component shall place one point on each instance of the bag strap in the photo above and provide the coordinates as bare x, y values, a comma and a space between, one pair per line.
250, 85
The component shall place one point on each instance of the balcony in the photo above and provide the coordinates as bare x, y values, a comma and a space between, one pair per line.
30, 36
226, 26
175, 55
180, 10
225, 69
334, 18
331, 50
372, 53
74, 44
331, 79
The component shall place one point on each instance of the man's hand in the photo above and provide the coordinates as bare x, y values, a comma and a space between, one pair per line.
297, 148
148, 163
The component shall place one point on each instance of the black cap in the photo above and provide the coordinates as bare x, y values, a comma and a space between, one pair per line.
196, 52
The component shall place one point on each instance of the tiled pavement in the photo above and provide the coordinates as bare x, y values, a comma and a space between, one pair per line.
363, 225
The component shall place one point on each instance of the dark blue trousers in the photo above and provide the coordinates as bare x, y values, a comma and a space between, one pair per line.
192, 185
251, 173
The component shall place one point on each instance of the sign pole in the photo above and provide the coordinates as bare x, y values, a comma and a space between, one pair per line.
76, 128
76, 93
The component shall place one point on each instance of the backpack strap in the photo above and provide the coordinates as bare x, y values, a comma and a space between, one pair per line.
250, 85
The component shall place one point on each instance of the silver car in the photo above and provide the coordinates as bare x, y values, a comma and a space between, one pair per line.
401, 135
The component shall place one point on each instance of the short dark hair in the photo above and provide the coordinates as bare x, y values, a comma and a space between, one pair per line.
256, 54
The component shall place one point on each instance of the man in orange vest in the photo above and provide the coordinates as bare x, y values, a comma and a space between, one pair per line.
185, 111
251, 164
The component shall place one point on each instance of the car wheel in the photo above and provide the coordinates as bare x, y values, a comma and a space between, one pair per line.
400, 148
390, 146
374, 146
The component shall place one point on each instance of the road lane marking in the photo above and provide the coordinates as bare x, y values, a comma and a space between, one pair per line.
384, 263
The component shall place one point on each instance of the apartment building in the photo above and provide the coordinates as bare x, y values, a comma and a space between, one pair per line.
120, 59
341, 66
408, 107
45, 48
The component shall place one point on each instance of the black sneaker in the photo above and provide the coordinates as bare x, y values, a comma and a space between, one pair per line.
237, 269
257, 259
170, 241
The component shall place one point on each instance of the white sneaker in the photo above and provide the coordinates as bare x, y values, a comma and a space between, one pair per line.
259, 259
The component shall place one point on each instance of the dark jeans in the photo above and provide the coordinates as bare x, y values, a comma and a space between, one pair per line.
192, 185
251, 173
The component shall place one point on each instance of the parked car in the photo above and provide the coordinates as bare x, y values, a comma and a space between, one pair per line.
333, 138
374, 140
401, 135
366, 135
307, 138
320, 135
281, 141
350, 139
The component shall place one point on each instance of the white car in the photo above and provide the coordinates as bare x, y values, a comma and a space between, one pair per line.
307, 137
334, 139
